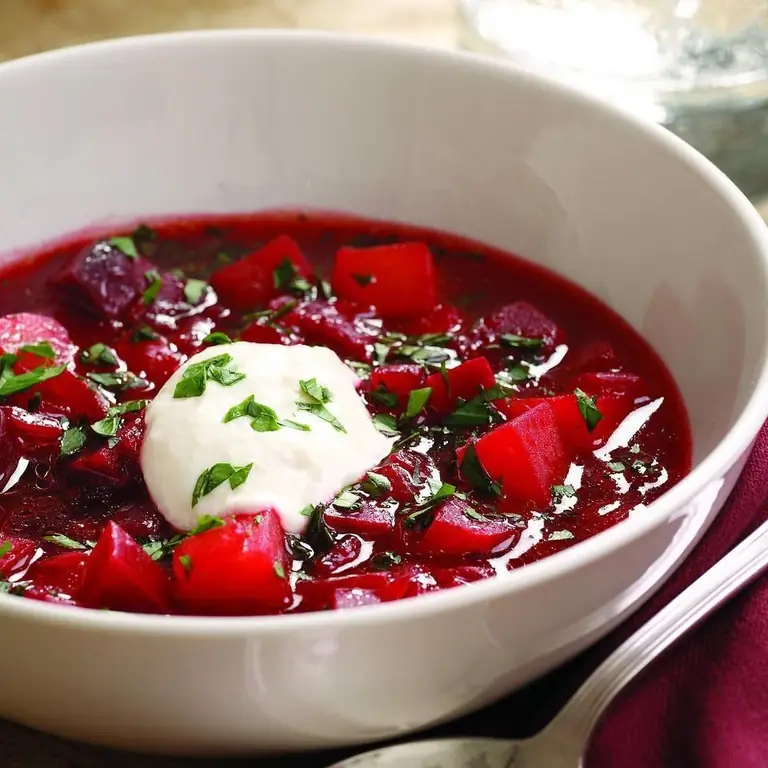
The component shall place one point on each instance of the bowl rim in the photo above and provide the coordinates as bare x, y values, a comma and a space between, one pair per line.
731, 446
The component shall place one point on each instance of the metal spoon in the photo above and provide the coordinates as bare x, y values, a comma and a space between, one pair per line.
563, 743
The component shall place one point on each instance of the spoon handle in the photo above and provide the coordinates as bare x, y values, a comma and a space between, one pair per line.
740, 566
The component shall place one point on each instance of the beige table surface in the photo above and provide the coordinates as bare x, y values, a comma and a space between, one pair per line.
29, 26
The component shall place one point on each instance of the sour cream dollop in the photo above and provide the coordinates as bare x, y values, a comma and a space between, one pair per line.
191, 442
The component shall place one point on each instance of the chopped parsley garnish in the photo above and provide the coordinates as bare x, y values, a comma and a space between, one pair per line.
386, 424
263, 418
521, 342
214, 476
186, 562
383, 397
279, 570
560, 492
474, 473
422, 516
144, 232
161, 548
154, 283
588, 409
72, 441
196, 376
194, 290
363, 280
346, 500
125, 245
477, 411
287, 278
318, 396
308, 511
376, 484
206, 523
143, 333
11, 383
559, 536
318, 535
64, 541
385, 560
98, 354
108, 426
118, 381
41, 349
473, 514
5, 548
616, 466
217, 337
417, 401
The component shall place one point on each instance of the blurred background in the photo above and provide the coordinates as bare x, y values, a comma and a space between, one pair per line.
699, 67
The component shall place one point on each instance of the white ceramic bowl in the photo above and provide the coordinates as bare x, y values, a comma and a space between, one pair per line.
237, 121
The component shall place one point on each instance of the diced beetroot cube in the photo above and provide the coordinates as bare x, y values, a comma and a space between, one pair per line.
323, 324
526, 455
261, 333
10, 449
443, 318
346, 550
408, 472
400, 380
236, 569
573, 428
188, 339
523, 319
105, 278
409, 581
370, 520
463, 574
102, 464
66, 394
594, 356
320, 593
170, 306
120, 575
26, 328
353, 598
458, 529
397, 279
153, 359
464, 382
130, 435
58, 577
36, 433
16, 554
250, 282
141, 520
608, 383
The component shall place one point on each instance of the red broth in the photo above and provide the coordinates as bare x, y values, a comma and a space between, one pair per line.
528, 377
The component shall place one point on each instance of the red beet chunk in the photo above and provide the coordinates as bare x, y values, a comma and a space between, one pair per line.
353, 598
101, 465
399, 380
191, 332
26, 328
36, 433
250, 283
120, 575
443, 318
16, 554
324, 324
321, 593
346, 549
370, 520
609, 383
105, 279
526, 455
598, 355
129, 437
236, 569
262, 333
523, 319
141, 520
58, 578
463, 574
397, 279
464, 382
409, 581
409, 473
573, 428
66, 394
153, 359
458, 529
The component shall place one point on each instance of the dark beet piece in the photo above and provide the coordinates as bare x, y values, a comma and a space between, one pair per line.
105, 278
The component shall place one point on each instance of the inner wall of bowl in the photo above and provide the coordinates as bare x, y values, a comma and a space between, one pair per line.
225, 124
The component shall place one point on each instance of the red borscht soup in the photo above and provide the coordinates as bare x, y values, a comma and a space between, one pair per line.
524, 416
